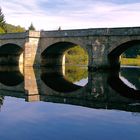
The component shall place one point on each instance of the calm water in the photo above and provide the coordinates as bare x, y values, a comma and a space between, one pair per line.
69, 104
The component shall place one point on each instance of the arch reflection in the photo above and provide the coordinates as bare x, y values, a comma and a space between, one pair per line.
123, 87
10, 76
63, 79
94, 94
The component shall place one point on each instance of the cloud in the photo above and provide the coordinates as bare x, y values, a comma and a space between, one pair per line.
48, 15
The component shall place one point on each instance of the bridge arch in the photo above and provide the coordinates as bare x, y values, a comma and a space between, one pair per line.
10, 54
53, 55
115, 53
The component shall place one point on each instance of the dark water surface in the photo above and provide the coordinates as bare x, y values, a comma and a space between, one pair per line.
69, 104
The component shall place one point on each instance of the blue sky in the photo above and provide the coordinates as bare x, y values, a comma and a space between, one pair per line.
71, 14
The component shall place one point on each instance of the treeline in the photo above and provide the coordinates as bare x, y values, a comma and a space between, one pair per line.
132, 52
9, 28
13, 29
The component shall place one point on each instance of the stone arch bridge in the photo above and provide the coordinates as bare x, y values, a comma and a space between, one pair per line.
44, 48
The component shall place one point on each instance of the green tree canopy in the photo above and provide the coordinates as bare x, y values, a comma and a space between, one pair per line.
2, 22
76, 56
132, 52
32, 27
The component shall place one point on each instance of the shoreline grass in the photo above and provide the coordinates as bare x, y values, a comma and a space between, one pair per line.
130, 61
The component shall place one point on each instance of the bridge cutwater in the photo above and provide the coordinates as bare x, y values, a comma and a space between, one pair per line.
46, 48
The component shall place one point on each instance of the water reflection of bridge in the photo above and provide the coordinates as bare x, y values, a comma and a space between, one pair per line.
51, 86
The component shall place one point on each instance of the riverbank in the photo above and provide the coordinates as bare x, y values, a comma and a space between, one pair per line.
130, 61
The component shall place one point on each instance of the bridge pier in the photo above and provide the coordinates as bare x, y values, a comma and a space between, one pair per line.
32, 50
97, 82
98, 54
31, 85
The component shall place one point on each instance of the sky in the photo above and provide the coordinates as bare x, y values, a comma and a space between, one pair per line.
71, 14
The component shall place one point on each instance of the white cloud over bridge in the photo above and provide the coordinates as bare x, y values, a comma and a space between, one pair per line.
72, 14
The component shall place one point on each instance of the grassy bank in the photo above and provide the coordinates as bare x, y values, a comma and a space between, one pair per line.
130, 61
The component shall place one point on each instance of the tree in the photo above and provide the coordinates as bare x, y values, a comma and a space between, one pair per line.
2, 22
59, 28
132, 52
32, 27
76, 56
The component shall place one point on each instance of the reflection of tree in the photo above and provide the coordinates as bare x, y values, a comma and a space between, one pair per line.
75, 73
1, 101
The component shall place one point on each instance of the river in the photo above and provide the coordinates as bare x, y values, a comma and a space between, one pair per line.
69, 103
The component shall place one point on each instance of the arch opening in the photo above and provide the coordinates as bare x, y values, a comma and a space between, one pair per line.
11, 55
129, 49
64, 53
